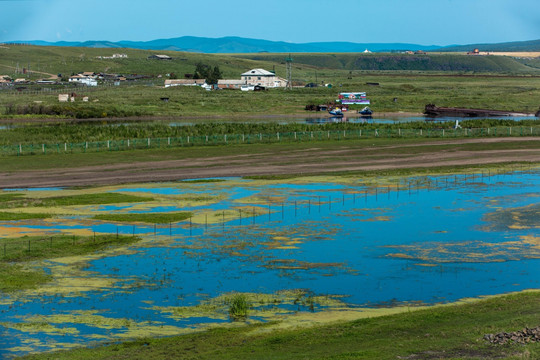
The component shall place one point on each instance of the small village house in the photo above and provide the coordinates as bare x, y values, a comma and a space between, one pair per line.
87, 78
263, 78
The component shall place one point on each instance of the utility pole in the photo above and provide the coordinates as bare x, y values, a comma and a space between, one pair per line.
289, 62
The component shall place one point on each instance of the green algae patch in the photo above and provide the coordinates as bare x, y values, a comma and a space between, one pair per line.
37, 326
291, 264
85, 317
527, 217
219, 216
116, 328
528, 247
261, 307
70, 281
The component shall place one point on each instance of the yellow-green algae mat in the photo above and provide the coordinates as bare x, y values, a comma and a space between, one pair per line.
295, 243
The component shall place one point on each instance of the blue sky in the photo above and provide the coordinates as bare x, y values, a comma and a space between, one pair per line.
426, 22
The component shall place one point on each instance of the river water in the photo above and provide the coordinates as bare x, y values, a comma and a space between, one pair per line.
296, 247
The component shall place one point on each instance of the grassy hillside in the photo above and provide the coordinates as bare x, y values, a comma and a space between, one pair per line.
69, 60
405, 62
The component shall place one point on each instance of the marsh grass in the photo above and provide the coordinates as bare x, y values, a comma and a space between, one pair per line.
16, 200
30, 248
238, 307
152, 218
18, 277
9, 216
16, 253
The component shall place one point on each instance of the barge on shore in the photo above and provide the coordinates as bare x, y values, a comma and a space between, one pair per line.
432, 110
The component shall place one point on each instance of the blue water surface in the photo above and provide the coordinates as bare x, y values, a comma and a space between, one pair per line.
375, 246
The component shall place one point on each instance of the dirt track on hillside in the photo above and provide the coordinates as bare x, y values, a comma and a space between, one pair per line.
303, 161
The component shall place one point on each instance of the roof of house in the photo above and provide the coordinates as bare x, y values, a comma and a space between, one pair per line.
185, 81
258, 72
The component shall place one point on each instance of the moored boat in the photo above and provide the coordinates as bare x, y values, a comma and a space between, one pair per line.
366, 111
337, 112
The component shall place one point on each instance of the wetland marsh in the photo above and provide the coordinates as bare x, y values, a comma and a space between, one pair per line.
302, 250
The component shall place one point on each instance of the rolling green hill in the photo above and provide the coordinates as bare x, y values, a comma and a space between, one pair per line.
70, 60
405, 62
44, 61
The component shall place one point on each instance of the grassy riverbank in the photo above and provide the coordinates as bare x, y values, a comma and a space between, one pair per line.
445, 332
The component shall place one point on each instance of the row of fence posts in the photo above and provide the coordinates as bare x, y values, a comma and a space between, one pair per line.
412, 187
190, 140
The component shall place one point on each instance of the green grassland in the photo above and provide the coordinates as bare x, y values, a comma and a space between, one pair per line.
406, 93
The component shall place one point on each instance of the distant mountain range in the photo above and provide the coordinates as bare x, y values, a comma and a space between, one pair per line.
232, 44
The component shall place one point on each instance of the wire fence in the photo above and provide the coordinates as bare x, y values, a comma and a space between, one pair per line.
259, 138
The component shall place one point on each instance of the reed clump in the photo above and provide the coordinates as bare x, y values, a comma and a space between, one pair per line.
238, 307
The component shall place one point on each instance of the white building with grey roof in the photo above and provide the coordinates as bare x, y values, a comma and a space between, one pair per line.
264, 78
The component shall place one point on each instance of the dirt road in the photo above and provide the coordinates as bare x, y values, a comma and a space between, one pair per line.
302, 161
